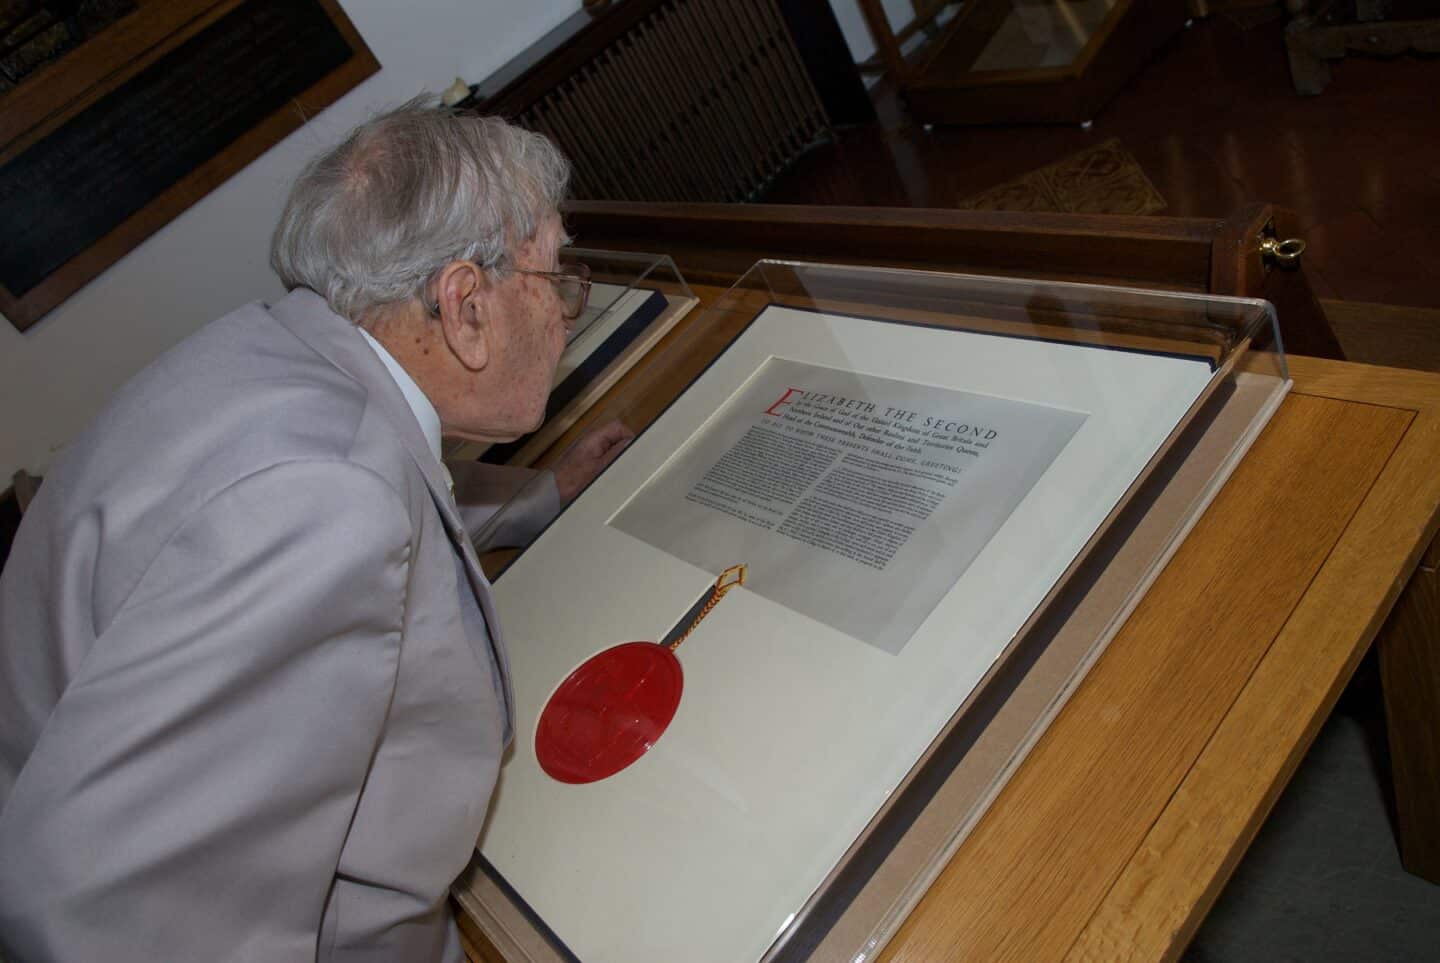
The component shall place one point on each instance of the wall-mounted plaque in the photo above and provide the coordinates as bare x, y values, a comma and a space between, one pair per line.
116, 115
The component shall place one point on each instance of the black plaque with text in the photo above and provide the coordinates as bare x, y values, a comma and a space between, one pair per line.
86, 178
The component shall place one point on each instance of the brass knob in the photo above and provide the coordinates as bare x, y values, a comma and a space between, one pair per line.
1286, 253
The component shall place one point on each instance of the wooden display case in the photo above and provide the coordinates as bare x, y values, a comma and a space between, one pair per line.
1120, 830
1022, 61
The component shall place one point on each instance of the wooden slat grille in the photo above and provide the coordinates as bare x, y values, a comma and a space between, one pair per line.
702, 100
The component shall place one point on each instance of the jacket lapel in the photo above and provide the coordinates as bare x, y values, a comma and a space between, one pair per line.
307, 315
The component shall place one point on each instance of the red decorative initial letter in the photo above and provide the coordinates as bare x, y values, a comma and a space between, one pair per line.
784, 400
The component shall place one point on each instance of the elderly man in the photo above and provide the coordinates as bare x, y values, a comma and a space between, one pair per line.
253, 695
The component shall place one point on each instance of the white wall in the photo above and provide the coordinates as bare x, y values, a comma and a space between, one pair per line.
214, 257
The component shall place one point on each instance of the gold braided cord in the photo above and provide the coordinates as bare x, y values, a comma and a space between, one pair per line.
735, 575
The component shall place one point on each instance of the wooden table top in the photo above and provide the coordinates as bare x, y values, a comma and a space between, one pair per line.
1116, 835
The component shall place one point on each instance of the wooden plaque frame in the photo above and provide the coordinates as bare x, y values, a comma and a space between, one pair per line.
57, 93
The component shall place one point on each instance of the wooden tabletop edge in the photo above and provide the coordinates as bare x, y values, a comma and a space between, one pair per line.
1157, 902
1369, 384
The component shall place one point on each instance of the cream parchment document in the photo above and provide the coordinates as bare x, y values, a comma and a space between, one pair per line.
855, 500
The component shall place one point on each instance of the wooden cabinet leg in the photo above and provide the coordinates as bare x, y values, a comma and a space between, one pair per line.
1410, 673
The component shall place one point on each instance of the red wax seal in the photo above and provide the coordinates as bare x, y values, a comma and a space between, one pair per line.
609, 712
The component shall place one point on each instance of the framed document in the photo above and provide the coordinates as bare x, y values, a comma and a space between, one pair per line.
943, 494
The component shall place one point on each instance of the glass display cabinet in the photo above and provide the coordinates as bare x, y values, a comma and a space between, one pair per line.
1027, 61
948, 491
1141, 803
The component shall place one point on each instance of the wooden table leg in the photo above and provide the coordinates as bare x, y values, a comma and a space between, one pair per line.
1410, 673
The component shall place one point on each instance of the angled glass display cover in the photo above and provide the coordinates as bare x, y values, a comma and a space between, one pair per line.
1007, 61
1036, 35
928, 501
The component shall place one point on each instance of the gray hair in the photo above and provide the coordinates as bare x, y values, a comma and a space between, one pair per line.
370, 221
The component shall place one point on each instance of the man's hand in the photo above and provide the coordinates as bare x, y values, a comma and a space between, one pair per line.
588, 457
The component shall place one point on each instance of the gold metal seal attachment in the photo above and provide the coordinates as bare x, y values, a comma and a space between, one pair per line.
731, 577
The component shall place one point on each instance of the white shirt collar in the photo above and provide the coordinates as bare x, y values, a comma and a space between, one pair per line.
425, 412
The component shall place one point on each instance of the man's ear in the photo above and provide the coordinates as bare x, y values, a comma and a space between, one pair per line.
463, 294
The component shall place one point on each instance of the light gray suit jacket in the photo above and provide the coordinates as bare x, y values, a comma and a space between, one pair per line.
252, 695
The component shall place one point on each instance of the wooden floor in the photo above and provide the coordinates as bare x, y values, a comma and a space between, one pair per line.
1215, 123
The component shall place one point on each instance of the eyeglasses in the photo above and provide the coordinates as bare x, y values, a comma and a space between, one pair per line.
572, 283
